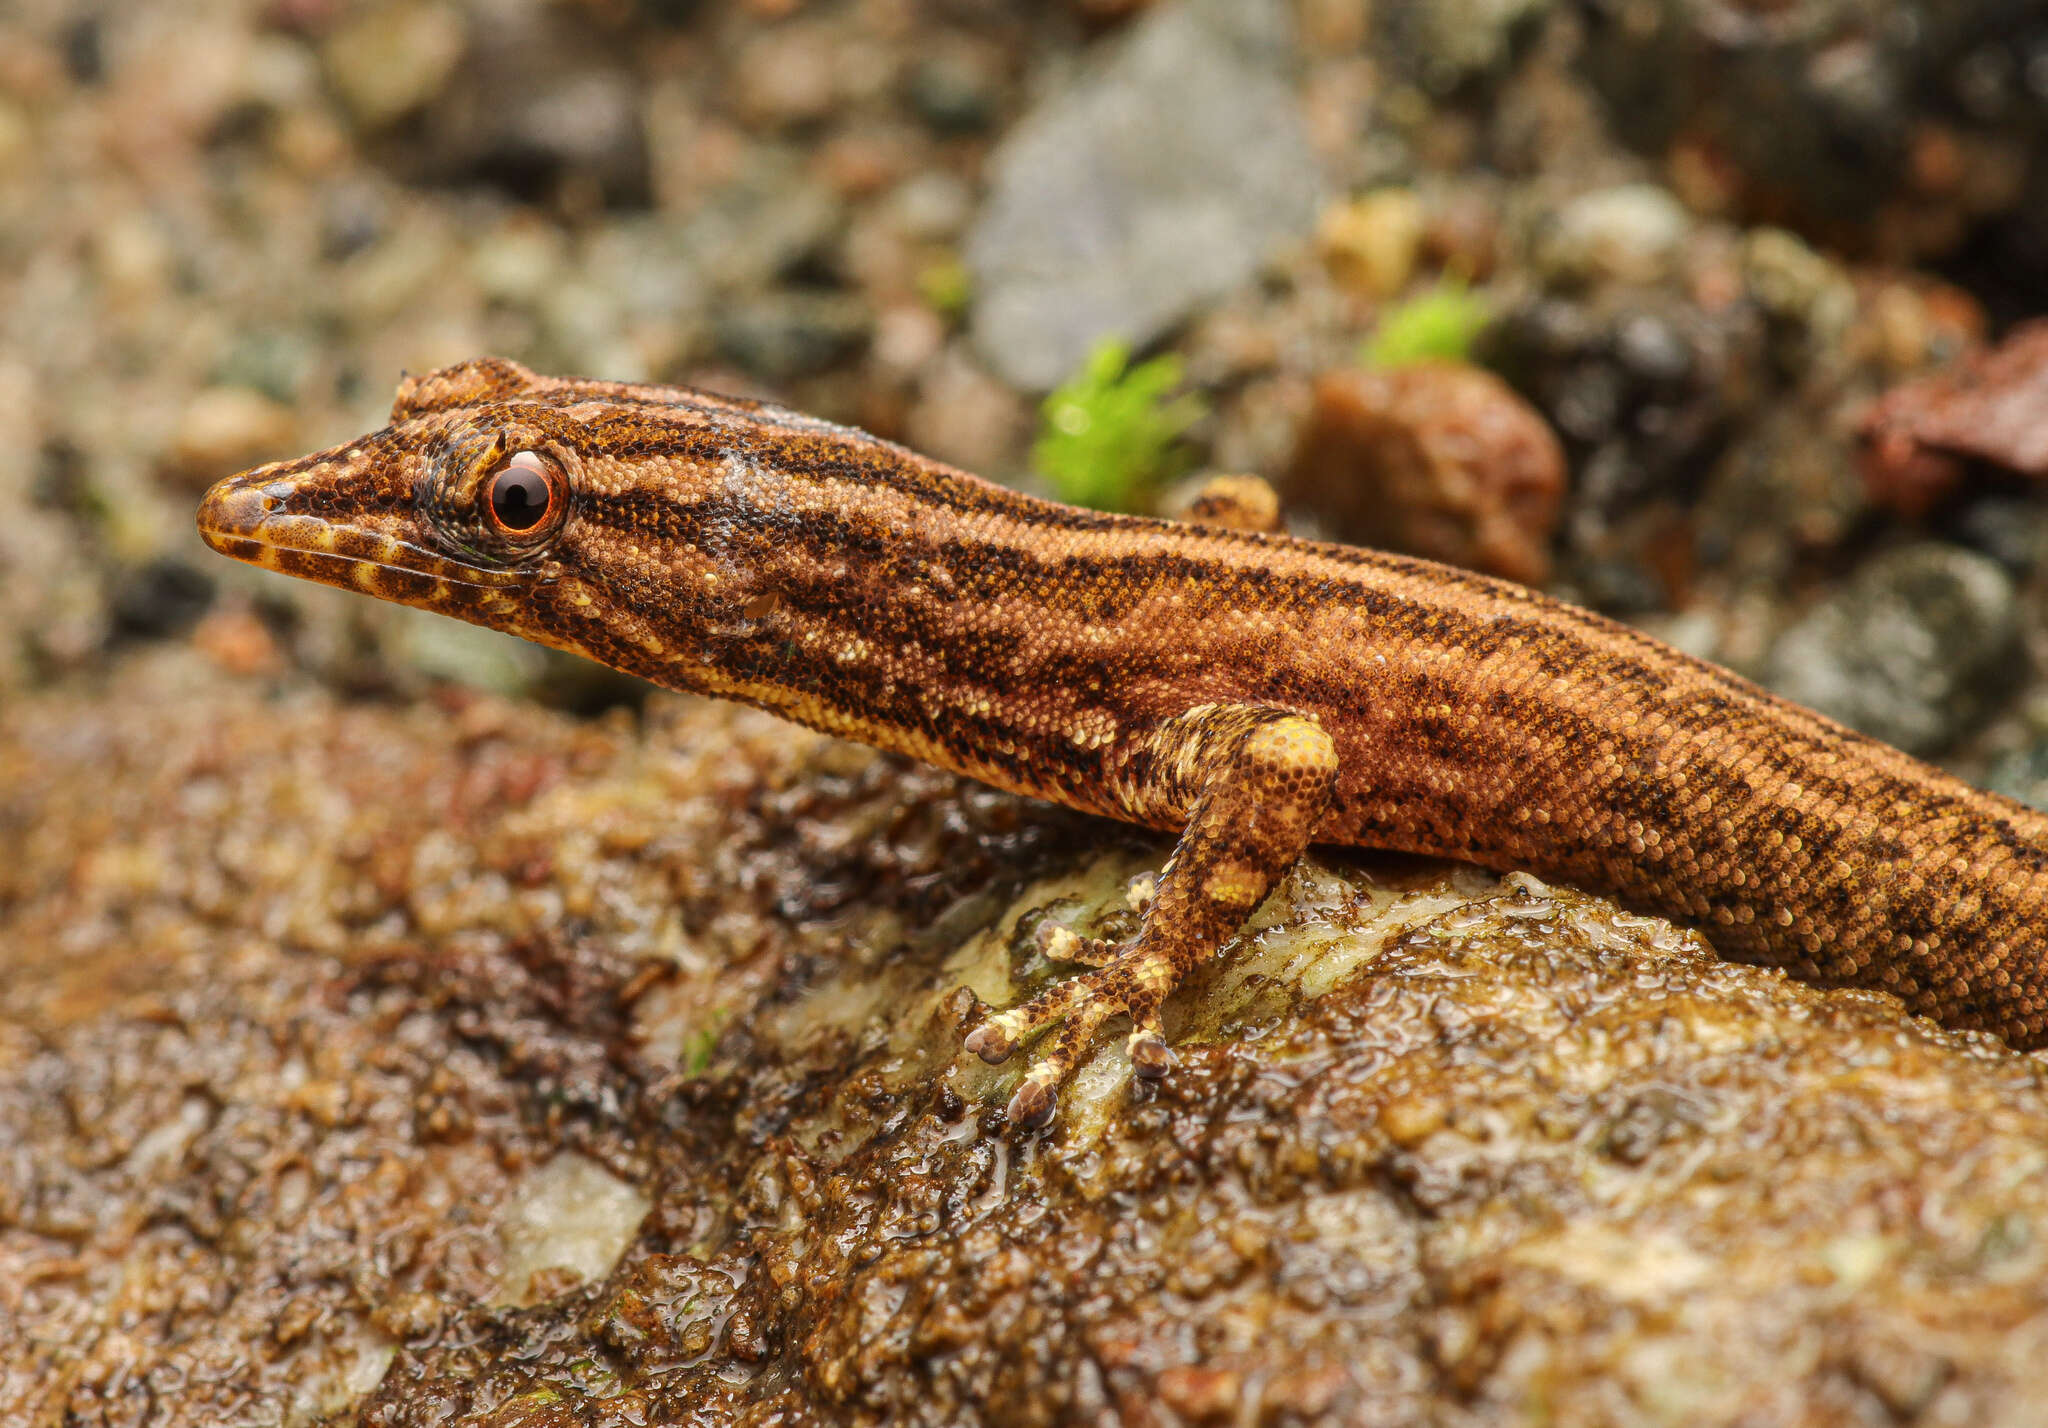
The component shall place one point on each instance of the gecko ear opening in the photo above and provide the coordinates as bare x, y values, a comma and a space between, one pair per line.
465, 384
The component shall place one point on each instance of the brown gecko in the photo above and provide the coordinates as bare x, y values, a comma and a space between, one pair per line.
1252, 692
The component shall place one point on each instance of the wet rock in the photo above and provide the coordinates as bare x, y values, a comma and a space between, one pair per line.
331, 1026
1915, 649
1159, 179
569, 1220
1436, 459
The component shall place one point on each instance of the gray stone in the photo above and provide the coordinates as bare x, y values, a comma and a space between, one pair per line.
1913, 650
1158, 180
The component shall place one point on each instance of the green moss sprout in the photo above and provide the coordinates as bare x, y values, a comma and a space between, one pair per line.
1111, 431
1436, 325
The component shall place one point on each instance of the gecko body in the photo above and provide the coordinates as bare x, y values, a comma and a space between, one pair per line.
1250, 692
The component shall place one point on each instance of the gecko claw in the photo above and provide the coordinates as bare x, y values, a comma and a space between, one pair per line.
991, 1043
1032, 1106
1151, 1057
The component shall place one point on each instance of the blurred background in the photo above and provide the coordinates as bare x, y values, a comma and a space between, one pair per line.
1687, 311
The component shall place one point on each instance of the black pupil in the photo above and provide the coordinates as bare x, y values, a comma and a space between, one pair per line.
519, 497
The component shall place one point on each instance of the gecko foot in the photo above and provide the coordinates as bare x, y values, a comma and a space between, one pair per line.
1133, 983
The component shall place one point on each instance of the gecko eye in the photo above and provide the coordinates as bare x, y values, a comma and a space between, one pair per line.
525, 491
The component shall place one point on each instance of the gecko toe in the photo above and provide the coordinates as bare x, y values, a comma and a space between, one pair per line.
1140, 891
1063, 944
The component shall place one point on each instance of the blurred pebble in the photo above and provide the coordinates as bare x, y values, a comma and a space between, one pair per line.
1370, 243
465, 654
225, 429
1628, 234
519, 262
1107, 12
931, 206
1990, 406
1913, 650
1446, 43
273, 363
965, 416
353, 215
2012, 530
17, 138
908, 335
1795, 284
545, 109
863, 162
955, 90
390, 60
2022, 775
158, 599
237, 641
785, 77
1438, 459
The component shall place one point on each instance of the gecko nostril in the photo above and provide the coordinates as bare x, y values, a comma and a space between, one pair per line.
235, 511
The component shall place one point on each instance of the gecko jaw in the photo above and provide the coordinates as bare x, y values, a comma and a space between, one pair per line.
250, 517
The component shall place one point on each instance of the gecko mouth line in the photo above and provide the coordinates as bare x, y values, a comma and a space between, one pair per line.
241, 519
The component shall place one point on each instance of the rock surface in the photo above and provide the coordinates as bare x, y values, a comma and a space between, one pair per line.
314, 1009
1157, 181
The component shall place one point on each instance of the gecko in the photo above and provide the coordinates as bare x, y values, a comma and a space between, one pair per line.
1249, 692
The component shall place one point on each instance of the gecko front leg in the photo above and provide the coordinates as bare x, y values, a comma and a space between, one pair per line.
1250, 783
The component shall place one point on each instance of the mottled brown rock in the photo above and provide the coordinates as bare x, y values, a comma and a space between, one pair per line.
1438, 459
1990, 406
303, 1000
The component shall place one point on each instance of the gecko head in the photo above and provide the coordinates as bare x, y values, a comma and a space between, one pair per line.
592, 516
454, 506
